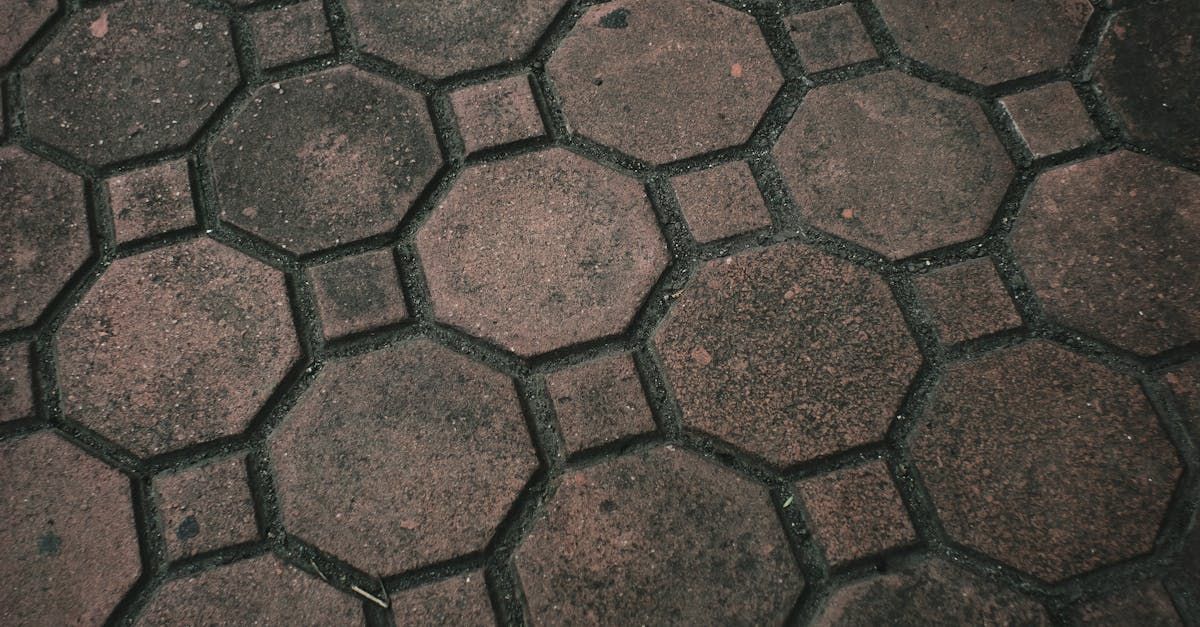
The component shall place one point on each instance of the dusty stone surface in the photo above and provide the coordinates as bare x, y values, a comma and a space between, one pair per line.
856, 512
967, 301
151, 201
599, 401
23, 19
206, 507
830, 38
461, 600
16, 382
1050, 119
496, 113
358, 293
721, 202
291, 33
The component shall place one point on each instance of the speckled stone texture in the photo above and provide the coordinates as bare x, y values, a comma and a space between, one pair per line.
22, 20
830, 38
1148, 604
856, 512
967, 301
722, 201
461, 600
151, 201
358, 293
496, 113
598, 402
1050, 119
16, 382
660, 536
206, 507
291, 33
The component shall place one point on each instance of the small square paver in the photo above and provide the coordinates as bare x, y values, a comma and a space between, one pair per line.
151, 201
721, 202
206, 508
358, 293
967, 301
1050, 119
831, 38
1185, 383
461, 600
856, 512
16, 383
599, 401
496, 113
292, 33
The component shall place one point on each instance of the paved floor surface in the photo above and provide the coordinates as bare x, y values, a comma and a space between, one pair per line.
638, 312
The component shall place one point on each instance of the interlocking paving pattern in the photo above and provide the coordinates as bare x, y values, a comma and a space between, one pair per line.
389, 312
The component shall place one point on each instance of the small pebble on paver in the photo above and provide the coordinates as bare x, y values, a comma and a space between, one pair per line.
830, 38
815, 345
722, 201
291, 33
1147, 68
1110, 246
967, 301
1050, 119
450, 36
16, 382
654, 537
402, 457
894, 164
496, 112
70, 551
988, 42
129, 78
1001, 425
46, 234
856, 512
270, 591
460, 601
358, 293
541, 251
1147, 605
151, 201
933, 588
176, 346
665, 79
22, 20
599, 401
206, 507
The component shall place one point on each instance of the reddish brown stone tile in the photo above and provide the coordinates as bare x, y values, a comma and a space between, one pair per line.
1147, 68
967, 301
324, 159
461, 600
665, 79
151, 201
894, 164
262, 590
22, 20
1045, 461
46, 234
402, 457
16, 382
815, 344
496, 113
1185, 383
291, 33
1147, 605
1110, 246
988, 42
129, 78
70, 549
721, 202
176, 346
1050, 119
830, 38
451, 36
206, 507
598, 402
1186, 571
856, 512
541, 251
931, 592
658, 537
358, 293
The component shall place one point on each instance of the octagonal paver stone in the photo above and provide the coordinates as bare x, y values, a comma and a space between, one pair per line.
1111, 246
22, 19
176, 346
658, 537
402, 457
1045, 461
541, 251
931, 592
787, 353
129, 78
261, 590
1147, 66
57, 566
988, 42
324, 159
44, 219
893, 163
451, 36
665, 79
